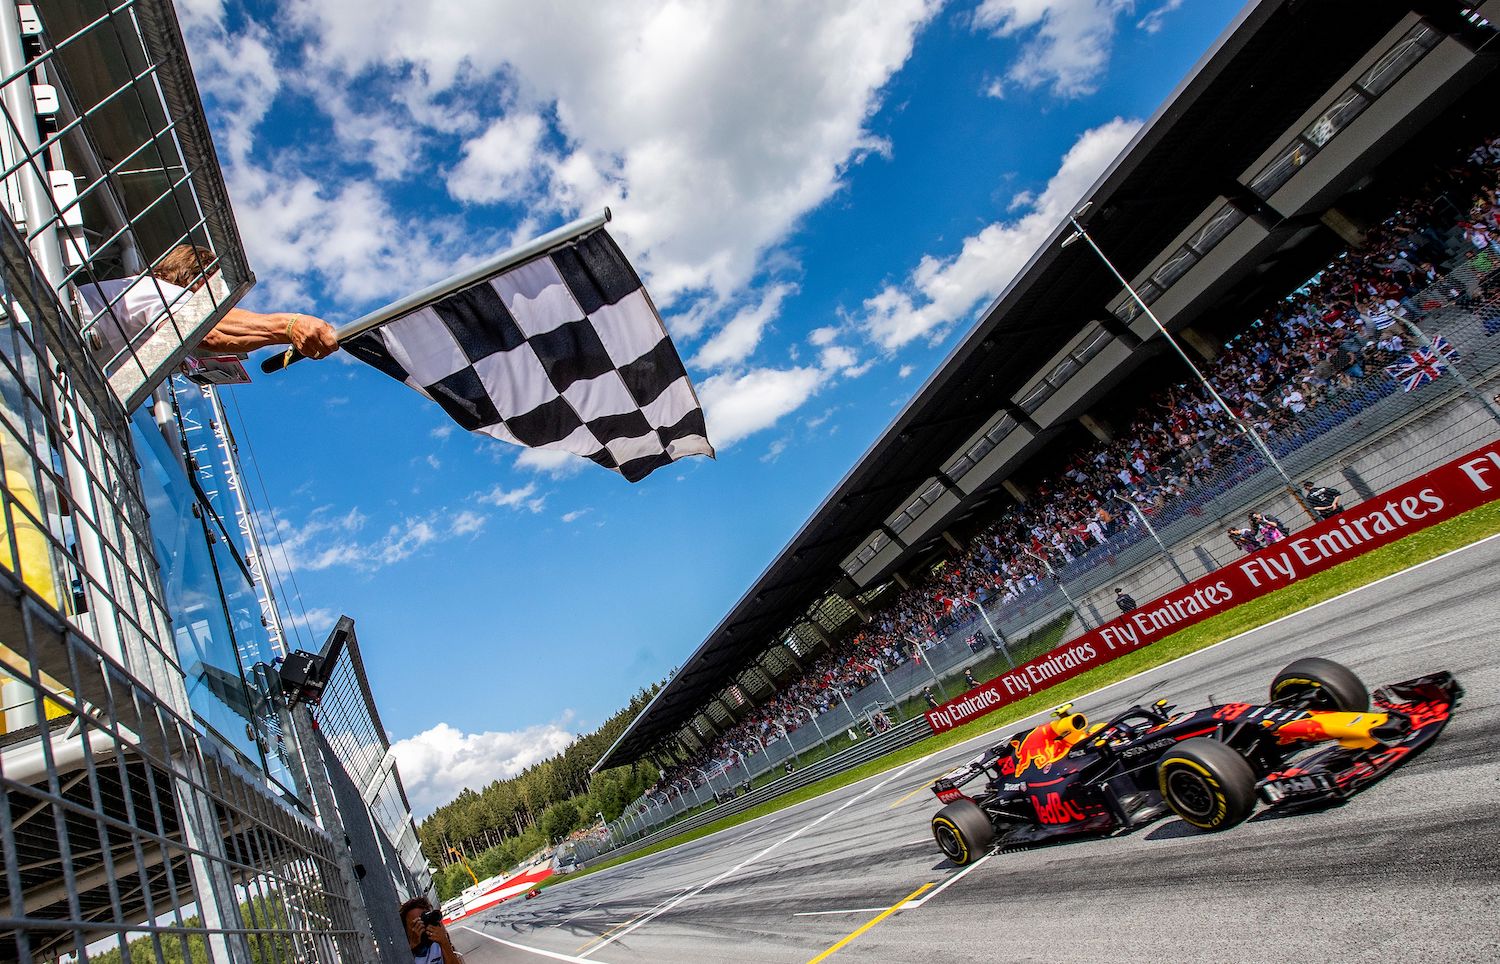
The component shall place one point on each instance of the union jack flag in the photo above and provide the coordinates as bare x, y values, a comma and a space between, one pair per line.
1422, 365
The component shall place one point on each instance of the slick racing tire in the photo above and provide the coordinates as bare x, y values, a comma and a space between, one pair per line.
963, 831
1330, 685
1207, 783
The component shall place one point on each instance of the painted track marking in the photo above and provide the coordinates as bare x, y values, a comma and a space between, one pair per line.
895, 775
530, 950
871, 923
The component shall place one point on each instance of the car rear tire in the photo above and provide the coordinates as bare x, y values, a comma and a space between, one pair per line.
1331, 686
1207, 783
963, 831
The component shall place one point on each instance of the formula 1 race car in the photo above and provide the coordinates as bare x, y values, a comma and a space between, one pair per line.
1315, 741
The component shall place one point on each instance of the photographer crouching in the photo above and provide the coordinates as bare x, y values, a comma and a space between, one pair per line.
429, 940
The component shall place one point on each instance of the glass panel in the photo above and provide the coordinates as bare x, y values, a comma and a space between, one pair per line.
1062, 371
981, 448
205, 642
1035, 398
1399, 59
1279, 171
1226, 219
999, 430
958, 468
1093, 346
899, 524
1349, 106
1125, 308
1175, 267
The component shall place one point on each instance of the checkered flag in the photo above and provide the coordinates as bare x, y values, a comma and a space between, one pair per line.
565, 351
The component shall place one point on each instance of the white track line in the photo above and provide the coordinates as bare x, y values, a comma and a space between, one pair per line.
530, 950
895, 774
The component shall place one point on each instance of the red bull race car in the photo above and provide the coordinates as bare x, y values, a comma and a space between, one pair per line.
1316, 741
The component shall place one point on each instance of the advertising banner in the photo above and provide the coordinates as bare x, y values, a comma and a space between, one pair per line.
1465, 483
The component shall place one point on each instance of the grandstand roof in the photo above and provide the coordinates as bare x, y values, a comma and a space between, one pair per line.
1275, 62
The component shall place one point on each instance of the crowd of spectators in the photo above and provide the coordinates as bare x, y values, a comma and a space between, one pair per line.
1323, 348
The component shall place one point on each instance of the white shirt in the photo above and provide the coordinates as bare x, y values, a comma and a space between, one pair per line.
434, 955
125, 312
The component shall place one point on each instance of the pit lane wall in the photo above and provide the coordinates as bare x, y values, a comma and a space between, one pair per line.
1465, 483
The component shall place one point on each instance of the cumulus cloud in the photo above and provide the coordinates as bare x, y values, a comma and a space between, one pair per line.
524, 497
941, 291
650, 102
501, 163
325, 540
738, 339
738, 404
1065, 43
1154, 19
575, 515
550, 462
467, 522
437, 764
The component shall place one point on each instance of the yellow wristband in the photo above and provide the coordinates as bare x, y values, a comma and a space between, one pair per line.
295, 319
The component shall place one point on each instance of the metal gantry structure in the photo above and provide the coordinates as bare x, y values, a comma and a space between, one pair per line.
161, 801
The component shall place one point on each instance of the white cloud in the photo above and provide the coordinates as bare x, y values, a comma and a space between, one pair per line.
437, 764
315, 622
1152, 22
442, 432
995, 88
941, 291
575, 515
523, 498
906, 371
1066, 43
651, 103
434, 461
550, 462
738, 339
324, 540
774, 452
738, 404
501, 163
467, 522
823, 336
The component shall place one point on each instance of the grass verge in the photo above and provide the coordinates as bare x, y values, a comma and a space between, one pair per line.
1419, 547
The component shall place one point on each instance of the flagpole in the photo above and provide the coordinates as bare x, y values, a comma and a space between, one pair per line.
446, 287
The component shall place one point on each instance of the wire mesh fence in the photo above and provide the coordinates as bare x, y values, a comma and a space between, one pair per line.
150, 812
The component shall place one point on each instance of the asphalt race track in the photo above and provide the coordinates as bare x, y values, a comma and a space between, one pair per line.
1408, 870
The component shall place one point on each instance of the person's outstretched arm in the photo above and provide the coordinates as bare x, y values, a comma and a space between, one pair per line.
243, 330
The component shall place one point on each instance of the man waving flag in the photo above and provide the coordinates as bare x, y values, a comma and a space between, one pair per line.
558, 349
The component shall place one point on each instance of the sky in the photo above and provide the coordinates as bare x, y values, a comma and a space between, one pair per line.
821, 197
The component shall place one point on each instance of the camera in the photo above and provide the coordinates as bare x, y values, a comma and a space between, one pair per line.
432, 918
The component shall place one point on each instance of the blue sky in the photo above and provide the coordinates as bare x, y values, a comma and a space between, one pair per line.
821, 197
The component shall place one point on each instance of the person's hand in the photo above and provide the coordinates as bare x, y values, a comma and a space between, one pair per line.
312, 337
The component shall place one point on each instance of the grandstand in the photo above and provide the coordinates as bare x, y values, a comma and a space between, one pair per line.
1318, 184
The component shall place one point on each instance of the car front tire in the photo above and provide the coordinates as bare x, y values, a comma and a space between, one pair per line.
1207, 783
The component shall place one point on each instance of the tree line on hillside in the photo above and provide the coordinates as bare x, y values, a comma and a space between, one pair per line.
499, 826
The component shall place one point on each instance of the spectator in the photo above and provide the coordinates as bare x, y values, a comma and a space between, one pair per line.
430, 943
969, 679
1322, 499
1259, 519
1124, 600
1265, 531
1246, 539
932, 702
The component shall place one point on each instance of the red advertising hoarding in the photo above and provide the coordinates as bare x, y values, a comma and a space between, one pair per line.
1465, 483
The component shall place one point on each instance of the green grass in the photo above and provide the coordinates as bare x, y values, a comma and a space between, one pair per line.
1470, 527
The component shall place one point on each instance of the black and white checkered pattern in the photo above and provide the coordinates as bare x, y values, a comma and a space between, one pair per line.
563, 352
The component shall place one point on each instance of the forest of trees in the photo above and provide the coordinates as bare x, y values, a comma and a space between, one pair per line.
497, 827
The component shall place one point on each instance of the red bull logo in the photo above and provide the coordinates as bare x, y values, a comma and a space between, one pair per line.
1049, 742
